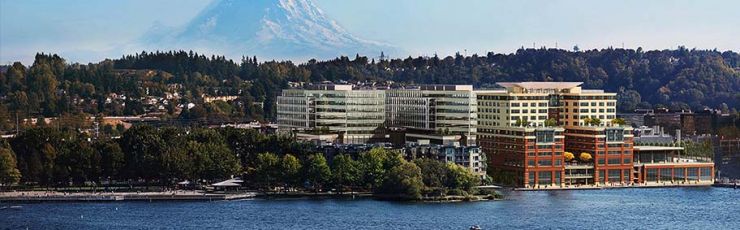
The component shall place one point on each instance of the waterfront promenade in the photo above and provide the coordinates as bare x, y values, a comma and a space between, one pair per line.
119, 196
617, 186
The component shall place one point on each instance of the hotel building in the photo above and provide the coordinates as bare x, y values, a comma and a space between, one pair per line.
527, 126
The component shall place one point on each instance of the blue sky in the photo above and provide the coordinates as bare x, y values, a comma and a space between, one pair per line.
82, 29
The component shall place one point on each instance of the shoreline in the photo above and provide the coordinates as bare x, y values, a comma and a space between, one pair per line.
44, 196
592, 187
53, 196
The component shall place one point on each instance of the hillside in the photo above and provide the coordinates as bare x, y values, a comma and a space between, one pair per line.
675, 79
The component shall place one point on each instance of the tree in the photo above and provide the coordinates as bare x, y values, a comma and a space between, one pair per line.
585, 157
461, 178
595, 122
290, 169
267, 168
521, 123
9, 173
618, 121
434, 172
403, 181
568, 156
317, 171
371, 165
551, 122
213, 161
142, 147
36, 152
345, 172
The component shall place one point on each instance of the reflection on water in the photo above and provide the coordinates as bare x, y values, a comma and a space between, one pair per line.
686, 208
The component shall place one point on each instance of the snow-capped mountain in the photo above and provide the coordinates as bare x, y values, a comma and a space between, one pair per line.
279, 29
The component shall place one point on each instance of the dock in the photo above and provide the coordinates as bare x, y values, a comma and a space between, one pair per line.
110, 197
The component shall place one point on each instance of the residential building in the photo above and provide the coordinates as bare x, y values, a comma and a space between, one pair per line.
470, 157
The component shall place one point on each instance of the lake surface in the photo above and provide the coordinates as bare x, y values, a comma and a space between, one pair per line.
647, 208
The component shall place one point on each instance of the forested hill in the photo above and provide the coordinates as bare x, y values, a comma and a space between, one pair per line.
676, 79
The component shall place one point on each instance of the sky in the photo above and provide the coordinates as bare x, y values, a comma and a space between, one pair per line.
87, 31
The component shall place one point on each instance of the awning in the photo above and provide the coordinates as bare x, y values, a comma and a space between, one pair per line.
236, 182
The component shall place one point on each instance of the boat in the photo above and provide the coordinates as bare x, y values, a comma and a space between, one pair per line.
475, 227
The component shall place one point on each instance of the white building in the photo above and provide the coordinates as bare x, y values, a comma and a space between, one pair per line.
354, 114
443, 109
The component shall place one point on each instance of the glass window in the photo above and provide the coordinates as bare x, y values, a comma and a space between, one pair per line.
614, 135
666, 174
706, 174
531, 179
693, 173
615, 175
545, 136
651, 175
544, 178
679, 174
626, 175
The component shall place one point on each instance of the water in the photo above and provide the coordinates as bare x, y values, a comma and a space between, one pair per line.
665, 208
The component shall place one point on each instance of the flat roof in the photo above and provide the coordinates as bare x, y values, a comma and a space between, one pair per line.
656, 148
540, 85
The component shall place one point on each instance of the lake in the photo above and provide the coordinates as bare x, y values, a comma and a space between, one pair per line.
633, 208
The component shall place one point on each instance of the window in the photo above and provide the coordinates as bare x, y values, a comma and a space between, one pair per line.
545, 136
530, 163
613, 161
626, 175
601, 161
531, 179
706, 174
614, 134
544, 178
602, 176
615, 175
679, 174
626, 161
665, 174
693, 173
651, 175
544, 163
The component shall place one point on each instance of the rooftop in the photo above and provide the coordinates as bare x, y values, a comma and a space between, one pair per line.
656, 148
540, 85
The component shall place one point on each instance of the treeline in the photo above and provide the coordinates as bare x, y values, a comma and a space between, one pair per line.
144, 155
52, 157
383, 172
675, 79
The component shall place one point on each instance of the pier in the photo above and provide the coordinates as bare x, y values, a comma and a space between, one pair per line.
129, 196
